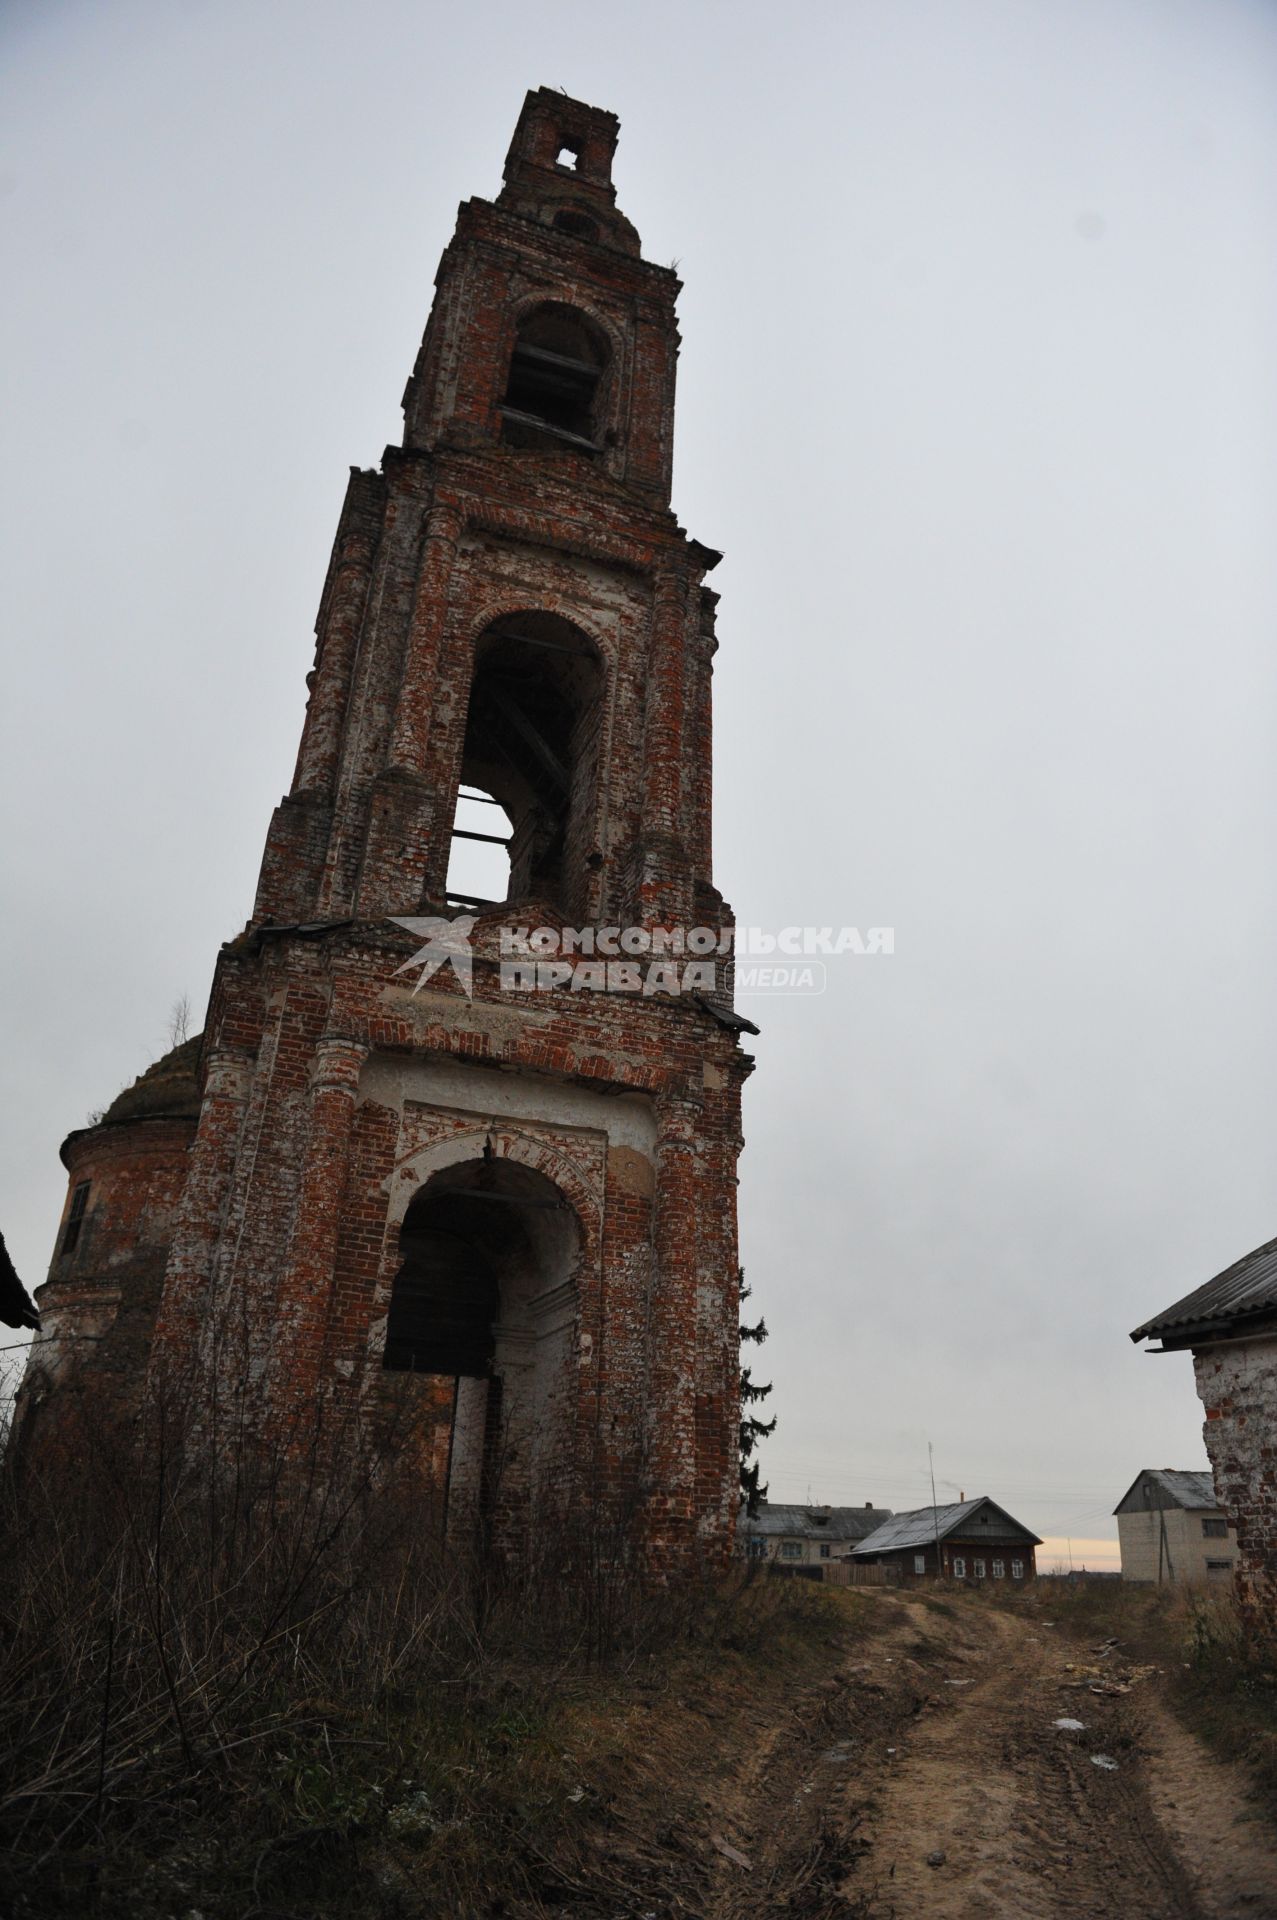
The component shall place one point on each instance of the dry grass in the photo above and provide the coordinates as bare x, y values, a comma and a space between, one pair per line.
221, 1701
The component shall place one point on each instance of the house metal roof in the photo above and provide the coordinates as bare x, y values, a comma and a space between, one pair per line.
1186, 1488
919, 1529
1247, 1288
813, 1523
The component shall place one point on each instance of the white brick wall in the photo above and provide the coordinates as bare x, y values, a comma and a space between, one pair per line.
1237, 1383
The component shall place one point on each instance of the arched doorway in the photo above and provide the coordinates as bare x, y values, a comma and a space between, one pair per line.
485, 1296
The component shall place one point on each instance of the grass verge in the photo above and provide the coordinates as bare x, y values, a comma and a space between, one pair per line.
207, 1713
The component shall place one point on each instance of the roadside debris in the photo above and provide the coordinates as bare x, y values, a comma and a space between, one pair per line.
1097, 1680
1069, 1726
1104, 1760
734, 1854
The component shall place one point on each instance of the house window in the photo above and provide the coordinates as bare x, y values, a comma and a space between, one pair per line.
1215, 1529
999, 1569
1017, 1569
791, 1550
920, 1563
75, 1219
824, 1549
977, 1567
757, 1548
959, 1567
1219, 1568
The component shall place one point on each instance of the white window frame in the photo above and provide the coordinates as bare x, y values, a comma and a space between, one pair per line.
791, 1550
920, 1563
999, 1569
959, 1566
977, 1569
1017, 1569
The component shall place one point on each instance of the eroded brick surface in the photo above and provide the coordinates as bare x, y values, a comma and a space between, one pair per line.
331, 1092
1237, 1385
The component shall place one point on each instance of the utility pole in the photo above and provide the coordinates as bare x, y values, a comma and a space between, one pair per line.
935, 1515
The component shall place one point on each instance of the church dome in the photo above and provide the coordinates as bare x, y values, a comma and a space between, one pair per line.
166, 1091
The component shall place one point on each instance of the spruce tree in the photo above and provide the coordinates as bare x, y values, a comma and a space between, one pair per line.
751, 1429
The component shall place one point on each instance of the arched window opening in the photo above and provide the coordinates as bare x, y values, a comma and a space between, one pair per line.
485, 1297
532, 744
556, 371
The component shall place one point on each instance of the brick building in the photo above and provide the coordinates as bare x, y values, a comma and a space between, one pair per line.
1230, 1326
489, 1230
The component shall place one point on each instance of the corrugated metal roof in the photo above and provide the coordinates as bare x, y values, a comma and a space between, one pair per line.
915, 1529
1248, 1286
919, 1529
813, 1523
1186, 1487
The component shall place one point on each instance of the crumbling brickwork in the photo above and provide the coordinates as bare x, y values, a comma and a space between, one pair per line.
1237, 1385
510, 605
127, 1172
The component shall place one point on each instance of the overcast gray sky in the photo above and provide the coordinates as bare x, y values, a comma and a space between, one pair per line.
977, 393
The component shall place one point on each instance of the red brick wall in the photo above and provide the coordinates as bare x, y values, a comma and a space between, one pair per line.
99, 1301
318, 1115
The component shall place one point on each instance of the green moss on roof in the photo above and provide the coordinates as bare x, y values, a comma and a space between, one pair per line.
165, 1091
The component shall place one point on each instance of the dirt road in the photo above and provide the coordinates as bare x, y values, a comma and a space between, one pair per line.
929, 1777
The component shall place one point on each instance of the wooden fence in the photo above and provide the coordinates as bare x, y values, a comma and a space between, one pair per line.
838, 1573
859, 1573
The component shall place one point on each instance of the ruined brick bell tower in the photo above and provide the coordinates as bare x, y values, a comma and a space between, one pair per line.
496, 1224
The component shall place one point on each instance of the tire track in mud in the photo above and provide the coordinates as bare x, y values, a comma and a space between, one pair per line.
1025, 1822
923, 1779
